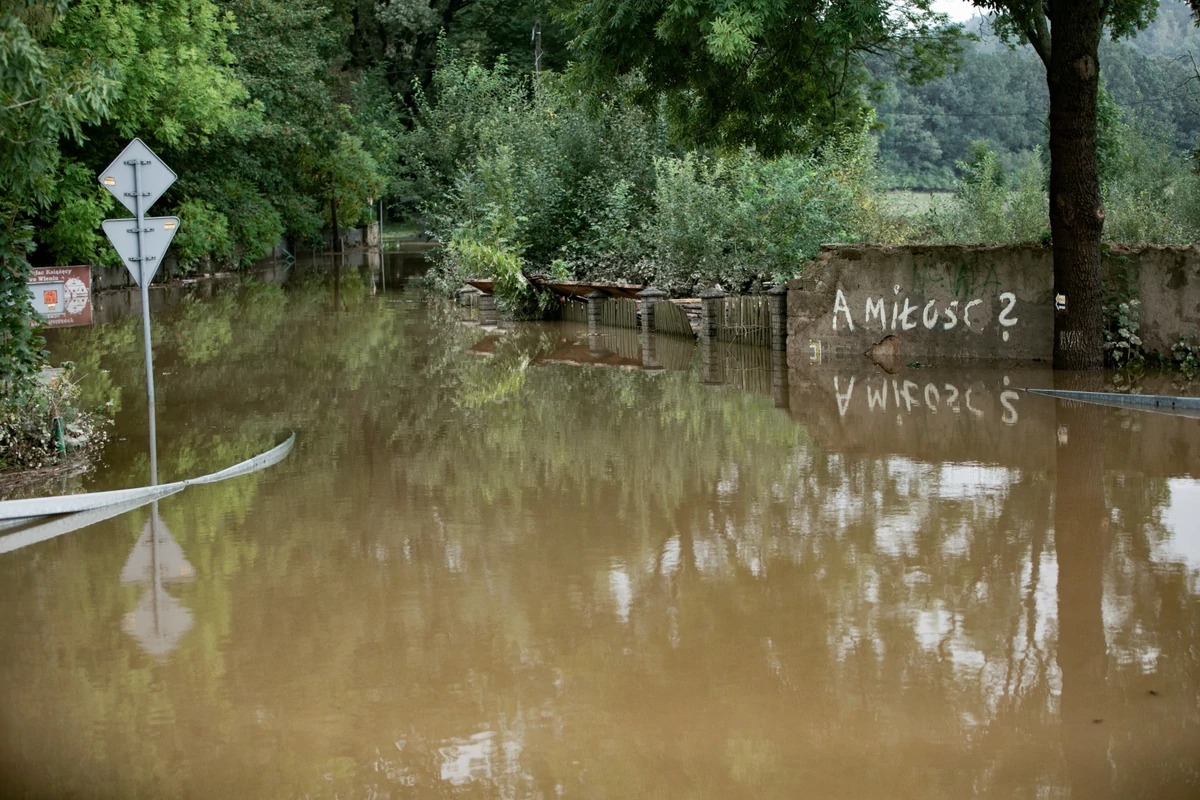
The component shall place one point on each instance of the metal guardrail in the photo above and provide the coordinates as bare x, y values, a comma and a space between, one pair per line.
74, 511
1179, 406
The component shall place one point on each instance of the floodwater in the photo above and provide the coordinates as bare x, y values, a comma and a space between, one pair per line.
516, 562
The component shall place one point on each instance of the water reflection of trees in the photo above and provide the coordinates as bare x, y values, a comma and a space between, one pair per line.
490, 573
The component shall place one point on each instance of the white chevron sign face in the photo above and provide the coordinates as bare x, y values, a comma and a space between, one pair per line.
156, 238
153, 177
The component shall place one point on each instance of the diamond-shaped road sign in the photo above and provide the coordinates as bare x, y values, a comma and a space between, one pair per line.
156, 238
154, 177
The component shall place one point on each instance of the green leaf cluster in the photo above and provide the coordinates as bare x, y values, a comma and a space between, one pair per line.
781, 75
533, 173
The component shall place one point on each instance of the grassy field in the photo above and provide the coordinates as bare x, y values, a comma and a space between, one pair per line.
902, 202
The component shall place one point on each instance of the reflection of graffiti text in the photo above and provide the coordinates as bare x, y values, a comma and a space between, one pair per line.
908, 395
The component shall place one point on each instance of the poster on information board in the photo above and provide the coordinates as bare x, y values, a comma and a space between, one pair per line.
62, 296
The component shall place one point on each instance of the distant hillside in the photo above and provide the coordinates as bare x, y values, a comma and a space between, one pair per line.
999, 95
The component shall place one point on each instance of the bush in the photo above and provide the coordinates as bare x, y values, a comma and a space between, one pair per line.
742, 218
1149, 193
21, 343
203, 240
254, 225
989, 208
595, 192
28, 439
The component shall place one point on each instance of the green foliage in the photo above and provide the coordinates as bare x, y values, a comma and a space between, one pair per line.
515, 296
81, 205
1121, 340
1150, 195
255, 225
176, 85
534, 175
999, 95
203, 238
743, 218
241, 97
780, 75
990, 208
20, 343
532, 171
46, 94
27, 424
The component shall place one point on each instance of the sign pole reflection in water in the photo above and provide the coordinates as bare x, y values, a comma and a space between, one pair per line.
159, 621
382, 259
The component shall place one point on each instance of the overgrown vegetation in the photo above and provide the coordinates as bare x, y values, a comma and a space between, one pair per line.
43, 426
680, 161
527, 178
249, 101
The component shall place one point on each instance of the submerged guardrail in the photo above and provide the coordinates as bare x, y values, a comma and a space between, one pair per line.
24, 522
1166, 404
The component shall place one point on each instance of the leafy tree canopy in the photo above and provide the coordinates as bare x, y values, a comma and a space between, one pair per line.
776, 74
1028, 21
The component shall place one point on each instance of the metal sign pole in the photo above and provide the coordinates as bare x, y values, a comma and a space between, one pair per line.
140, 212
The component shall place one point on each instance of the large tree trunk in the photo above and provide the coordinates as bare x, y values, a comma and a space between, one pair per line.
1076, 210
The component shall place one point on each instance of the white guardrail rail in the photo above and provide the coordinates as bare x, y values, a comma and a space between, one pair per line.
25, 522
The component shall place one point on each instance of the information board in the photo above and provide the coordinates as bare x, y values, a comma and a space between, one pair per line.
62, 296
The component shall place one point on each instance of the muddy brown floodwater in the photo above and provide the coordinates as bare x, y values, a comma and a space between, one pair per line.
515, 563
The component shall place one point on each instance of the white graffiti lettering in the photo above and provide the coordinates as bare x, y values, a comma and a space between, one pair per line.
929, 320
840, 304
875, 309
967, 312
843, 400
951, 316
1009, 299
907, 315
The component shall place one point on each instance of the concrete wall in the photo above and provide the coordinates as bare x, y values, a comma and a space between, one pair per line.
1167, 279
951, 302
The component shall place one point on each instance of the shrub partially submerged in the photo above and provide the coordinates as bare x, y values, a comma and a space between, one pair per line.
42, 426
522, 178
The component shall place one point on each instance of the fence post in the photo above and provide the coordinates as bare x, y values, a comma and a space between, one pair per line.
650, 296
780, 390
595, 306
710, 304
777, 302
650, 362
710, 361
465, 294
487, 309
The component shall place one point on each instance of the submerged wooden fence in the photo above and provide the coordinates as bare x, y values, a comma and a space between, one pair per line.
574, 311
744, 318
619, 312
670, 318
759, 319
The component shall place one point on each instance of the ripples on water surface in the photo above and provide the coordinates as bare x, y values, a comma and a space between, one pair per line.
492, 568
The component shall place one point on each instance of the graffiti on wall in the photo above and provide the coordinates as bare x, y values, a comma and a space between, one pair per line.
905, 315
